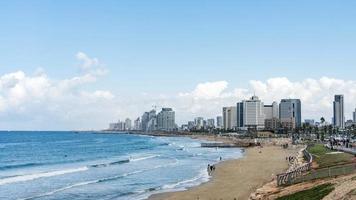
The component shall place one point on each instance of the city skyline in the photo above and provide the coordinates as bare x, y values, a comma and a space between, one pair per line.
80, 66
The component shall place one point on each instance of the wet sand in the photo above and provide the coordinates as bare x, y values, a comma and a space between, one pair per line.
237, 179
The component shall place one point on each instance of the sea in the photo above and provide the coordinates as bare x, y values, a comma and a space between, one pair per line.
70, 165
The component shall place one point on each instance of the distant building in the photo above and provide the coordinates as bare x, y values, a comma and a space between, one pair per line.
112, 126
250, 113
152, 124
271, 113
149, 121
290, 112
191, 125
144, 121
137, 124
166, 120
128, 124
354, 116
119, 126
349, 123
219, 122
184, 127
272, 124
240, 124
289, 124
229, 118
210, 123
199, 123
339, 117
310, 122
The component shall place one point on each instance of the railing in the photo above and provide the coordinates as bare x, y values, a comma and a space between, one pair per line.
326, 172
290, 177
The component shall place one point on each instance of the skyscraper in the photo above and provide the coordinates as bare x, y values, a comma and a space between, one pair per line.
219, 122
229, 117
166, 120
137, 124
210, 123
127, 124
240, 115
339, 117
199, 123
271, 111
250, 113
144, 121
354, 116
290, 111
253, 113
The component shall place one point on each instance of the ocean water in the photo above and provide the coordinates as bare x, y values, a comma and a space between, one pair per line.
68, 165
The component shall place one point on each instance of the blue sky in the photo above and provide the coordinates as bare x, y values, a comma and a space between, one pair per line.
168, 47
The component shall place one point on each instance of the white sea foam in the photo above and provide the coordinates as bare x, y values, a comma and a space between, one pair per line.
143, 158
29, 177
59, 190
202, 177
82, 184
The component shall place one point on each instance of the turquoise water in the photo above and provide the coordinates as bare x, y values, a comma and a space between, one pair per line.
68, 165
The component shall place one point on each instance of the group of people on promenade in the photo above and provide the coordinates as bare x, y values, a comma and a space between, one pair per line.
290, 159
339, 142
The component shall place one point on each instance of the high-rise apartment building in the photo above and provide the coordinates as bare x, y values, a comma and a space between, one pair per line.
354, 116
339, 117
290, 112
250, 113
271, 111
229, 118
219, 122
199, 123
166, 120
137, 124
210, 123
128, 124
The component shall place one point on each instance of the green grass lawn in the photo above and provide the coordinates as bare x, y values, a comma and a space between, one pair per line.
326, 160
315, 193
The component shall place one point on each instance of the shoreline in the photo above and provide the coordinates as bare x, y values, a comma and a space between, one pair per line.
236, 178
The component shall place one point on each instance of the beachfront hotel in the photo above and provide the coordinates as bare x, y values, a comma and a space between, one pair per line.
250, 113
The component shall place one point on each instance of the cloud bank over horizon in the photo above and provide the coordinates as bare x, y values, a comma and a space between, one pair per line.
39, 102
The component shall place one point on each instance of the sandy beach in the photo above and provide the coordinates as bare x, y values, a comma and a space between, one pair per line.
237, 179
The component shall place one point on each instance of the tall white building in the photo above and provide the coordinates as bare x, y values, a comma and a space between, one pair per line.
128, 124
339, 117
199, 122
210, 123
219, 122
271, 111
166, 120
144, 121
253, 113
137, 124
354, 116
229, 117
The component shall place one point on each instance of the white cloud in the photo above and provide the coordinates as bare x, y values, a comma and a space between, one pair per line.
207, 90
86, 61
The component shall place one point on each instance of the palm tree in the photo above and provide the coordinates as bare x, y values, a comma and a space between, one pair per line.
322, 120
